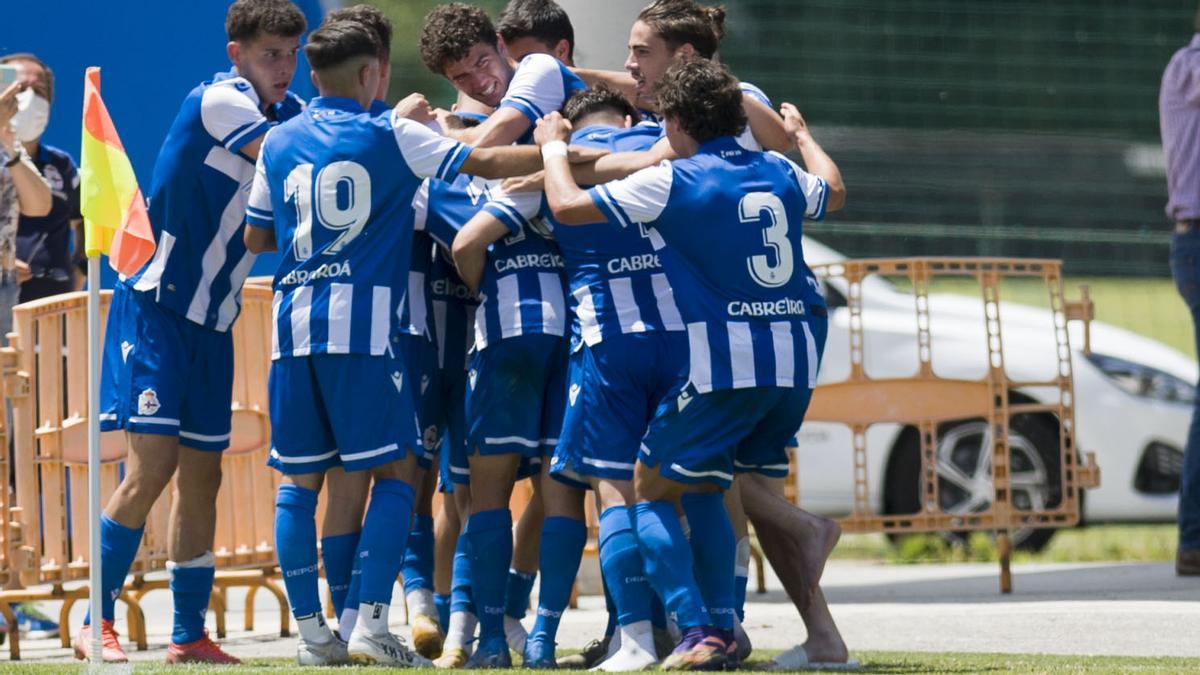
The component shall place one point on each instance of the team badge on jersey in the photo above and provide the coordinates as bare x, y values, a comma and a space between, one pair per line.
148, 402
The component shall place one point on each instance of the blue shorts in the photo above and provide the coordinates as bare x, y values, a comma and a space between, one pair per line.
163, 374
707, 438
348, 410
452, 386
420, 368
615, 389
516, 391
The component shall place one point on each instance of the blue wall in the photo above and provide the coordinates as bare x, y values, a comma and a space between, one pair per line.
151, 54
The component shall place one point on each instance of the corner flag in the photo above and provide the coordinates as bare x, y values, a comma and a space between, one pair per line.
114, 211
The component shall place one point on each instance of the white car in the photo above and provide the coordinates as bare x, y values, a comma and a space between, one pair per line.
1133, 407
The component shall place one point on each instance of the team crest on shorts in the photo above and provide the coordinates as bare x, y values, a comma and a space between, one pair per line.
148, 402
573, 394
429, 437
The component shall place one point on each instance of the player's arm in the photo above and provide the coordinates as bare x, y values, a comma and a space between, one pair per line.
816, 160
768, 127
570, 204
259, 233
503, 127
471, 244
233, 118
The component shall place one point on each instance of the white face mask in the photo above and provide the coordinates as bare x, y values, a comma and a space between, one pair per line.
33, 114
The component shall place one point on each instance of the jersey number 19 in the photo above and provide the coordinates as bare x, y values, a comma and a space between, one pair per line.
341, 202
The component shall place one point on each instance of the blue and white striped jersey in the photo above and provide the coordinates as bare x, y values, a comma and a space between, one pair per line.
522, 288
453, 310
746, 139
728, 224
616, 281
198, 200
336, 185
540, 85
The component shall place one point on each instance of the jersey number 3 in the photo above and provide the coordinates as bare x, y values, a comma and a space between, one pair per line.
755, 208
341, 202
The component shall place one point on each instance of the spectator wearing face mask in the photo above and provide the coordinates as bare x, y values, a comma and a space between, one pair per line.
44, 243
23, 192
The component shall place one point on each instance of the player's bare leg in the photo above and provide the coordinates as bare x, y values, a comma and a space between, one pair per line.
816, 537
150, 462
527, 541
446, 527
422, 610
346, 496
786, 534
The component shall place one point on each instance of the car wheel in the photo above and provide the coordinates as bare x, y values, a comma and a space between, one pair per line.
965, 470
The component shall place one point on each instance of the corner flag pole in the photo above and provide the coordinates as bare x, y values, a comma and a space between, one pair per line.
95, 654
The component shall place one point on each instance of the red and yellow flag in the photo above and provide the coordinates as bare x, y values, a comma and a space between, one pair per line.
114, 211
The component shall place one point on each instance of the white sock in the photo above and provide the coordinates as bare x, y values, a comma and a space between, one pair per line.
514, 633
313, 629
637, 648
420, 602
461, 630
741, 565
346, 622
373, 617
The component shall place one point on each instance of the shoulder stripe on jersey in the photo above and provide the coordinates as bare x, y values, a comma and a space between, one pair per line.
240, 140
820, 214
451, 162
613, 207
506, 214
260, 213
233, 134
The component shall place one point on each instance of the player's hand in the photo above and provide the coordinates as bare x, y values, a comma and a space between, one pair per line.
552, 127
534, 182
793, 121
448, 120
8, 102
416, 108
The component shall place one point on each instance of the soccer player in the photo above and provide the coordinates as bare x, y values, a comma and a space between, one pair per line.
333, 191
460, 43
727, 223
630, 349
537, 27
168, 359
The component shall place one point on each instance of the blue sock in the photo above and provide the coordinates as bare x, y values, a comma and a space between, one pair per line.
442, 602
418, 559
461, 597
563, 540
381, 548
517, 592
191, 587
621, 564
338, 553
490, 537
668, 559
739, 596
658, 613
118, 548
296, 546
714, 552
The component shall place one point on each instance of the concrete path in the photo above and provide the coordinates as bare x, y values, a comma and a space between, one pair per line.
1138, 609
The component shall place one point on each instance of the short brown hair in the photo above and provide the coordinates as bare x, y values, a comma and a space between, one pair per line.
596, 99
248, 19
335, 42
373, 18
32, 58
449, 33
680, 22
704, 98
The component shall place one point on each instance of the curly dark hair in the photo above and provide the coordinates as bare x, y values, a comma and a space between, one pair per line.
450, 31
371, 17
247, 19
335, 42
542, 20
680, 22
598, 98
704, 98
